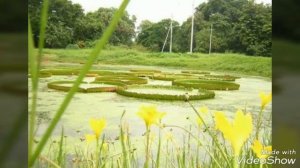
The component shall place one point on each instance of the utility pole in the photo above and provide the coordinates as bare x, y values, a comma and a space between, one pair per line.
192, 29
162, 50
171, 35
211, 27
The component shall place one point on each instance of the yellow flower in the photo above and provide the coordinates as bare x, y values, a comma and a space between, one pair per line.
150, 115
265, 99
199, 122
105, 147
97, 126
169, 136
203, 109
90, 137
261, 151
236, 132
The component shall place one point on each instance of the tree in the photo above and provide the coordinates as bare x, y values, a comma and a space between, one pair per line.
153, 35
62, 18
255, 30
67, 24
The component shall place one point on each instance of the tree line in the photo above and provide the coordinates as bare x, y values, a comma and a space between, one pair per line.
239, 26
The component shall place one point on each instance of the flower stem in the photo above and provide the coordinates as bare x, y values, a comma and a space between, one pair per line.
235, 162
211, 134
258, 124
147, 148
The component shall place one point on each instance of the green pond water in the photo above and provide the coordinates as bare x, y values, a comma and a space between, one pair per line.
110, 106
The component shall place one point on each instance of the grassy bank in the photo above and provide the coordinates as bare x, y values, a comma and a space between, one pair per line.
237, 63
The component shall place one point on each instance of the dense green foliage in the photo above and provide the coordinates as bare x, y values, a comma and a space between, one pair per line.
238, 26
68, 24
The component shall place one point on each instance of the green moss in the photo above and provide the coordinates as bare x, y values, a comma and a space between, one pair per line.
207, 84
202, 94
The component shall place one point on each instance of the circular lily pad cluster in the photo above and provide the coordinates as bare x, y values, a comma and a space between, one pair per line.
195, 72
207, 84
172, 77
105, 86
132, 91
219, 77
144, 72
125, 79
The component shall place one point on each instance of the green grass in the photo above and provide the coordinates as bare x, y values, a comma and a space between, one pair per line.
237, 63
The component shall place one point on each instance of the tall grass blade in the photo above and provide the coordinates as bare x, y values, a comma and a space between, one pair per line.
124, 150
35, 66
158, 149
92, 57
60, 152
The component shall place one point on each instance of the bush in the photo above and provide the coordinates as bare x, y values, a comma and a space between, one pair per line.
72, 46
207, 84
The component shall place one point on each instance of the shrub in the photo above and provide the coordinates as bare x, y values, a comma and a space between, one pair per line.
72, 46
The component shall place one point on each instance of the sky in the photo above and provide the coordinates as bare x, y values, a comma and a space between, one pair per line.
153, 10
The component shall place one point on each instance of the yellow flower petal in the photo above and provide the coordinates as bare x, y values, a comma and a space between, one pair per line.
203, 109
90, 137
105, 147
199, 122
265, 99
97, 126
236, 132
261, 151
150, 115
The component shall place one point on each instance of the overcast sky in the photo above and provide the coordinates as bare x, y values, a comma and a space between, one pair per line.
153, 10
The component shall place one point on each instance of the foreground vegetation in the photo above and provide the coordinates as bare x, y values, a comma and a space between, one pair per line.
210, 139
234, 63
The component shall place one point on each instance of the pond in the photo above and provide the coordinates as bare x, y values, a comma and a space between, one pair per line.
110, 106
